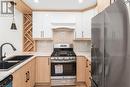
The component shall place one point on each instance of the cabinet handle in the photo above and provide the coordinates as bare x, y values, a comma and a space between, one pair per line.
26, 77
48, 61
82, 34
89, 71
87, 63
90, 78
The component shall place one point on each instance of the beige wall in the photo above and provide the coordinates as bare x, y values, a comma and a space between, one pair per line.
102, 4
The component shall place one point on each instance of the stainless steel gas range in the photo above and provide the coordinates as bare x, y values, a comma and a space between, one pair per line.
63, 65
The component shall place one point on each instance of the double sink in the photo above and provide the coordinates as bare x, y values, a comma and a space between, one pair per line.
13, 61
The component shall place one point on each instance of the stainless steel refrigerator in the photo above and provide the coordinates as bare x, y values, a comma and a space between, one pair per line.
111, 47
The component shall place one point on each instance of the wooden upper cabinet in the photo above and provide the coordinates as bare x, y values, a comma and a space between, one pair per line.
81, 65
42, 70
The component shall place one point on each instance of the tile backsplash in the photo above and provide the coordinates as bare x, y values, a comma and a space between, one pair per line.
63, 35
79, 46
82, 46
44, 46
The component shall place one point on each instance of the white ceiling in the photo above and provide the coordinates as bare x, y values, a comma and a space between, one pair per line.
60, 4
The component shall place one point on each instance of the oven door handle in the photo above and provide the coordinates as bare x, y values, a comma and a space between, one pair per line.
63, 61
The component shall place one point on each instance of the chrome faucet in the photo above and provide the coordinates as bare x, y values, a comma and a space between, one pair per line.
1, 50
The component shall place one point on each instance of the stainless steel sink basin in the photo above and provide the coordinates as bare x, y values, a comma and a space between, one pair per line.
20, 57
7, 65
13, 61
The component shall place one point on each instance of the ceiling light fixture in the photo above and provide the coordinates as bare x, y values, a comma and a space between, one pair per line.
13, 25
36, 1
80, 1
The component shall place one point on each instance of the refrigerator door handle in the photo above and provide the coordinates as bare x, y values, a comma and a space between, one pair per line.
106, 63
107, 70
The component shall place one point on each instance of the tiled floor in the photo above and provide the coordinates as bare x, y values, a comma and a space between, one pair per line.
78, 85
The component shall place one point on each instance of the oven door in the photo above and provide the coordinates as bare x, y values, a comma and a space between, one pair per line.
63, 68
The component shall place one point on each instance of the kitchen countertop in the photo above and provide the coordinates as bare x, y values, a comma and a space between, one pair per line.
86, 54
4, 74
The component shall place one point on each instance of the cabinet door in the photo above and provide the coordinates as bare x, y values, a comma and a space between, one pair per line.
42, 25
19, 78
81, 62
31, 73
37, 24
86, 23
78, 31
25, 76
42, 70
16, 81
88, 73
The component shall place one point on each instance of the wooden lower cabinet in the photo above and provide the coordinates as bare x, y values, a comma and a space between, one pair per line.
81, 62
83, 70
42, 70
37, 71
88, 73
19, 78
32, 73
25, 76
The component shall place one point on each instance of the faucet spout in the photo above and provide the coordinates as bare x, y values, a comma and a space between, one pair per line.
1, 50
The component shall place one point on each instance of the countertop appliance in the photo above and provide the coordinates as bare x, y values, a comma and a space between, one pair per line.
63, 65
111, 46
7, 82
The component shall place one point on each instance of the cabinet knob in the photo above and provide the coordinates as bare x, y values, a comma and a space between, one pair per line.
90, 78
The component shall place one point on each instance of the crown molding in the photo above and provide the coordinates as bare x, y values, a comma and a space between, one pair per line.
24, 8
66, 10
